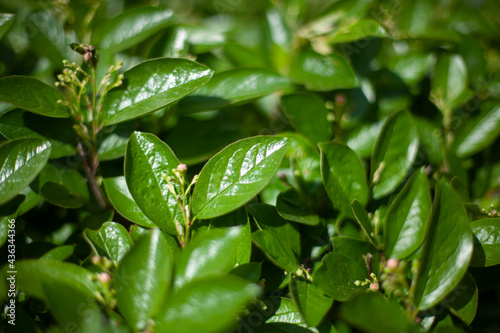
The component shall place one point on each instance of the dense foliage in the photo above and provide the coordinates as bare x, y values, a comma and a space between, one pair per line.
250, 166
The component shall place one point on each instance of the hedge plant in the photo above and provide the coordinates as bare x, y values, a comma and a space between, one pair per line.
238, 166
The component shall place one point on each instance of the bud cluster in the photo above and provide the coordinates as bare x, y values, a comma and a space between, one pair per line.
394, 280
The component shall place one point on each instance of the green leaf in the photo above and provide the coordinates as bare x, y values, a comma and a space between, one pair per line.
59, 253
287, 312
373, 313
308, 115
206, 305
142, 280
278, 40
152, 85
343, 176
447, 249
479, 132
73, 308
358, 250
20, 124
210, 252
111, 240
486, 242
322, 72
310, 300
250, 271
394, 153
114, 145
462, 301
278, 239
449, 83
358, 30
21, 160
236, 174
291, 206
33, 95
124, 203
131, 27
234, 86
405, 223
336, 276
172, 43
32, 274
148, 161
6, 20
364, 221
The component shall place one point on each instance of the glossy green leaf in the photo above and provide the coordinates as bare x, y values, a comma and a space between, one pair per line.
373, 313
362, 251
308, 115
59, 253
148, 161
142, 280
449, 83
286, 312
124, 203
405, 223
32, 274
236, 174
172, 43
336, 276
358, 30
151, 85
206, 305
486, 242
234, 86
462, 301
278, 239
310, 300
114, 145
394, 153
343, 176
21, 160
362, 139
73, 308
33, 95
111, 240
322, 72
209, 253
291, 207
6, 20
279, 40
61, 196
479, 132
447, 249
131, 27
20, 124
363, 220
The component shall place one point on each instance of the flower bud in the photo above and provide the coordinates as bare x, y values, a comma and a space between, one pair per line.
182, 168
104, 278
392, 264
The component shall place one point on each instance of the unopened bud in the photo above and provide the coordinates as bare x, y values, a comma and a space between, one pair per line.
96, 260
374, 286
182, 168
104, 278
392, 264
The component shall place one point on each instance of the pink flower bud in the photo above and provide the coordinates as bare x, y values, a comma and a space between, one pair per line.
392, 264
182, 168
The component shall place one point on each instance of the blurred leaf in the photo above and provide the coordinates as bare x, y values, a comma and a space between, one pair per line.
18, 123
59, 253
405, 223
364, 221
278, 239
308, 115
131, 27
291, 207
462, 301
357, 249
151, 85
250, 271
310, 300
394, 153
6, 20
143, 278
373, 313
172, 43
214, 301
210, 252
279, 40
111, 240
343, 176
148, 162
21, 161
33, 95
124, 203
336, 276
486, 242
234, 86
447, 249
243, 56
236, 174
357, 30
449, 83
479, 132
362, 139
322, 72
